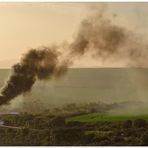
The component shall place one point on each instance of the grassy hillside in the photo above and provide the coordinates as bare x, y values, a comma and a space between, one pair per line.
97, 117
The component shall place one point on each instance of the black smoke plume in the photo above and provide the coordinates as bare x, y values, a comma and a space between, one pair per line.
97, 35
37, 64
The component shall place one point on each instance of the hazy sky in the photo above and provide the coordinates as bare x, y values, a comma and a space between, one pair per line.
26, 25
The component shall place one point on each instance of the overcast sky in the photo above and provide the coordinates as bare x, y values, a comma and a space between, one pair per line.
27, 25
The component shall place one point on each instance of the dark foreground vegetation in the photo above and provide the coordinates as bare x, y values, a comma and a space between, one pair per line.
55, 130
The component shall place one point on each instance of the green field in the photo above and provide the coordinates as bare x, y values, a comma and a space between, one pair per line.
97, 117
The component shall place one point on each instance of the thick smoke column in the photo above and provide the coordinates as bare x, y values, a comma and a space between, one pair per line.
35, 65
97, 35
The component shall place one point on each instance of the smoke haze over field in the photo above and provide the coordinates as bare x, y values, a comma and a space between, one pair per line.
98, 35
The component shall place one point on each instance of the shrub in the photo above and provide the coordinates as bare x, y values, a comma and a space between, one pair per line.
139, 123
127, 124
67, 136
57, 122
74, 123
144, 139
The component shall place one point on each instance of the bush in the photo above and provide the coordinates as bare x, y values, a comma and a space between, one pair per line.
144, 139
127, 124
57, 122
138, 123
67, 136
74, 123
25, 131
